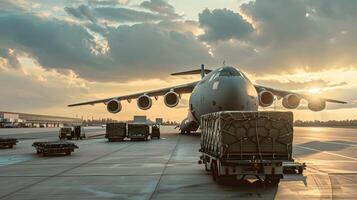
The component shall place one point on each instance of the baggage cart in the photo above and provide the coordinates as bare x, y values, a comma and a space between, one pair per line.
54, 148
8, 142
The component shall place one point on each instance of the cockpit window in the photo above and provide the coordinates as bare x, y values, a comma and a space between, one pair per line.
229, 71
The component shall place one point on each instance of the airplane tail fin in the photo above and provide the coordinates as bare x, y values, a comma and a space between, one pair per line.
201, 71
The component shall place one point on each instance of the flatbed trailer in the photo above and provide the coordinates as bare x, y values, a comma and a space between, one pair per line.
55, 148
244, 145
8, 142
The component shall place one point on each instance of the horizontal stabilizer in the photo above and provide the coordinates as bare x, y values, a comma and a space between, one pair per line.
197, 71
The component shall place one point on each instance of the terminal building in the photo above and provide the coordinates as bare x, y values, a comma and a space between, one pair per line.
13, 119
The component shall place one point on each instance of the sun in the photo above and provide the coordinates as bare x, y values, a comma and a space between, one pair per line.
314, 90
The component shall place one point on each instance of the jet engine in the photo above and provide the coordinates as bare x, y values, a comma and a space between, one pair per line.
171, 99
114, 106
316, 105
144, 102
291, 101
266, 98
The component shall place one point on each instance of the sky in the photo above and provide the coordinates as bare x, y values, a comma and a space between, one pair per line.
57, 52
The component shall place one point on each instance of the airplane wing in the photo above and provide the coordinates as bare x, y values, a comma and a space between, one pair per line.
283, 93
180, 89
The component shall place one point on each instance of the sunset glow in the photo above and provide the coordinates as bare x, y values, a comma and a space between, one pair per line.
75, 51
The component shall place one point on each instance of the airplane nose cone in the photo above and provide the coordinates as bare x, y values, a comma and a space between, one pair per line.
238, 94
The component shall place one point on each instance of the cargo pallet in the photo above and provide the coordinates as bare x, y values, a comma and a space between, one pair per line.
54, 148
249, 144
138, 132
115, 132
8, 142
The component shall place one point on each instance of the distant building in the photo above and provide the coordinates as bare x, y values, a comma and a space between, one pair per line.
140, 119
34, 120
9, 117
159, 121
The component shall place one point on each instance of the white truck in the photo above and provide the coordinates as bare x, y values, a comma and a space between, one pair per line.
242, 145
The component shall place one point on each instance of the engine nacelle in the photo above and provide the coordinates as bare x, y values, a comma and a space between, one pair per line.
266, 98
171, 99
114, 106
291, 101
144, 102
316, 105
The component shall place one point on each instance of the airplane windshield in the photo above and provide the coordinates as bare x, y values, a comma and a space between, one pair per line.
229, 72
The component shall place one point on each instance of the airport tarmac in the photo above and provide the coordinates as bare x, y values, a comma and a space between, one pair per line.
168, 169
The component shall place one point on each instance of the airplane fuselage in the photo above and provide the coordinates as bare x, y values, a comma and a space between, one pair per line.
224, 89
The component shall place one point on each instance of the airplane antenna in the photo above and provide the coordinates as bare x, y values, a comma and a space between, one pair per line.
203, 71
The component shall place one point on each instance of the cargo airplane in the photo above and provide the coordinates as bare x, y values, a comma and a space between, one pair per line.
223, 89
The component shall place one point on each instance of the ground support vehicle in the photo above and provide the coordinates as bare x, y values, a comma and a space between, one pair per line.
243, 145
69, 133
8, 142
138, 131
155, 131
54, 148
115, 131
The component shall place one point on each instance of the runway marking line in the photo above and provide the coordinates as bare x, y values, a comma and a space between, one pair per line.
326, 152
340, 143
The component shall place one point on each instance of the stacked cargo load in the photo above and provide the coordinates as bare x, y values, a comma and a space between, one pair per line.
138, 131
248, 135
115, 131
241, 144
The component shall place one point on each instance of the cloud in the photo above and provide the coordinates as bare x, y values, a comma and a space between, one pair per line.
66, 45
126, 15
303, 85
162, 7
9, 58
181, 26
147, 50
223, 24
107, 2
290, 35
115, 14
83, 12
119, 54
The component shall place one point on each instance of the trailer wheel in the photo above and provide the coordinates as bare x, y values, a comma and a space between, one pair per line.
214, 169
272, 180
206, 167
300, 170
